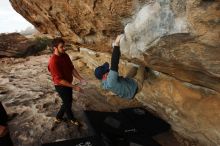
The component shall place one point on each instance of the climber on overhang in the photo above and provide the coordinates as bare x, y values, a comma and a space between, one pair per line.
125, 87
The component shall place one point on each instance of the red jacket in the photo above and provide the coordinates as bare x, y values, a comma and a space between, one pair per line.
61, 68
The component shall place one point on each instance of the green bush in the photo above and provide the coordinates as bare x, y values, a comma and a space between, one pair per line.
39, 44
42, 43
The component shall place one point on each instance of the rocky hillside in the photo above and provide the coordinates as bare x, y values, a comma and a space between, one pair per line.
14, 45
177, 38
17, 45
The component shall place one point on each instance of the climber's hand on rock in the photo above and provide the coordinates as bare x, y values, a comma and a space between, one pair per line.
118, 39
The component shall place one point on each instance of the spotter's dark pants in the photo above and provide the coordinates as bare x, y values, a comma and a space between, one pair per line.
65, 94
6, 140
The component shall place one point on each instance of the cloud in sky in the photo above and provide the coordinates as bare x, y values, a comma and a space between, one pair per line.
10, 20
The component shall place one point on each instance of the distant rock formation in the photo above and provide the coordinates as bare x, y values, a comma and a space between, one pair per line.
28, 31
14, 45
17, 45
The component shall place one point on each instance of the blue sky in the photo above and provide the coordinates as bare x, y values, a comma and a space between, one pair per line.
10, 20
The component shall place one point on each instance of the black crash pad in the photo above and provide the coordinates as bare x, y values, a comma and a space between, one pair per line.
116, 129
87, 141
145, 122
110, 123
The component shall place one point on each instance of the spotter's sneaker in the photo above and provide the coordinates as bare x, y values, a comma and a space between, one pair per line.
58, 120
75, 122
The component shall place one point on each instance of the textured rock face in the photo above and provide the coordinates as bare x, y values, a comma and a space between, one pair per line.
191, 57
199, 18
204, 19
177, 37
152, 22
84, 22
185, 58
184, 104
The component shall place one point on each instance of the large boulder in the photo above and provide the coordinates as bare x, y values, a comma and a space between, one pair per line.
155, 37
90, 22
187, 59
